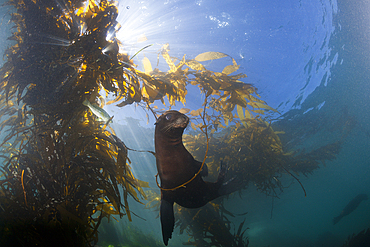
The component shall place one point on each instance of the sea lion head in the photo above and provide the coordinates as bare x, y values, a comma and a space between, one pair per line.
172, 123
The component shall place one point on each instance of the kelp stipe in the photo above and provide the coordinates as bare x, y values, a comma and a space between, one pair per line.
62, 169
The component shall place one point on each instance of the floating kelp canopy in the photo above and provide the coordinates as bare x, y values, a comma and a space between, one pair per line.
64, 169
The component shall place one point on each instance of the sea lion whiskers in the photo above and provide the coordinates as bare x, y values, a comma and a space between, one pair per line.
167, 128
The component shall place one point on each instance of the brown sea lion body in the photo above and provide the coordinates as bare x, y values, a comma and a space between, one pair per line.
351, 206
177, 166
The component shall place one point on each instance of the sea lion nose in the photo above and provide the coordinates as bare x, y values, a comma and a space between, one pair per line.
186, 120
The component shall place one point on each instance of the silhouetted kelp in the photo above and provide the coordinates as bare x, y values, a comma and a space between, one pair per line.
206, 226
209, 226
361, 239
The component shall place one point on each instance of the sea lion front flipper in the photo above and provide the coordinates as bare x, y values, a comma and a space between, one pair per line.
167, 220
233, 184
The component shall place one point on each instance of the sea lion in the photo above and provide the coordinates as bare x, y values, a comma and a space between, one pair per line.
352, 205
176, 166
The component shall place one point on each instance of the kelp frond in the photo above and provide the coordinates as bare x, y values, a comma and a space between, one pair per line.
62, 168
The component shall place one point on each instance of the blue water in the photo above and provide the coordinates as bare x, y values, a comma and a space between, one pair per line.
311, 61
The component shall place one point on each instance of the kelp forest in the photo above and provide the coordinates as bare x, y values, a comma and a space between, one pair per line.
64, 170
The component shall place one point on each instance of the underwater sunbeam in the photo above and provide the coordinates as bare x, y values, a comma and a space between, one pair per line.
48, 39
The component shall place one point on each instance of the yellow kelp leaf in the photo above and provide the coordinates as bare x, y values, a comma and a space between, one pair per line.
90, 9
247, 114
184, 110
289, 153
234, 62
240, 112
210, 56
230, 69
263, 106
279, 132
193, 126
153, 93
166, 56
226, 119
142, 38
197, 112
181, 63
254, 99
259, 111
195, 65
147, 65
145, 93
143, 184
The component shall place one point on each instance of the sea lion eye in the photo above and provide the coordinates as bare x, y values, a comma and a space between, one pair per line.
168, 117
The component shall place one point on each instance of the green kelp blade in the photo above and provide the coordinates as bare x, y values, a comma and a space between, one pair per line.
140, 51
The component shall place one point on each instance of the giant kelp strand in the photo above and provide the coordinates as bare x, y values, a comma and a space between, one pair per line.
360, 239
63, 169
70, 177
208, 226
62, 55
223, 91
256, 154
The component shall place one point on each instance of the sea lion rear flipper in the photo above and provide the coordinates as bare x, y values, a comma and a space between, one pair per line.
233, 184
337, 219
167, 220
